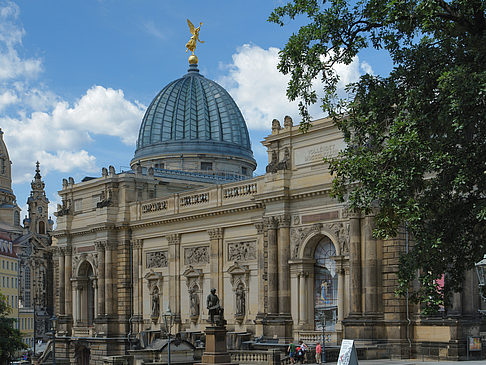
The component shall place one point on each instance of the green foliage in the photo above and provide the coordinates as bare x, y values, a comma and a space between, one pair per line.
416, 139
10, 337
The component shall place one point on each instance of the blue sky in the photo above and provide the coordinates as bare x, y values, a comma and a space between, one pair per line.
76, 76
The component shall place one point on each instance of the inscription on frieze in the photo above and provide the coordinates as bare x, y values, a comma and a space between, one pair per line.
156, 259
196, 255
316, 153
242, 251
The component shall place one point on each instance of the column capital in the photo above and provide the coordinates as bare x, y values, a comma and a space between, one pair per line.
137, 243
260, 227
284, 221
100, 245
352, 214
67, 250
215, 233
111, 245
270, 222
174, 239
303, 274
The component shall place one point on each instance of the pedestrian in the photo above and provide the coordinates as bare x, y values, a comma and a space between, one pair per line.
291, 351
318, 353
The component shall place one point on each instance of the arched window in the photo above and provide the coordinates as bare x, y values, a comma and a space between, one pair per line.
42, 228
325, 285
86, 310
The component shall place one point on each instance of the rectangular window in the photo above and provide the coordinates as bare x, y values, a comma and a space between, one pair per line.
16, 267
244, 170
206, 166
7, 283
16, 283
8, 266
78, 205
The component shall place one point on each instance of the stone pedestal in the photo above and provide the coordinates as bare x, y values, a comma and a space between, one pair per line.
216, 352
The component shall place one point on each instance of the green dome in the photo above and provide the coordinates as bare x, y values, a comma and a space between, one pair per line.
193, 115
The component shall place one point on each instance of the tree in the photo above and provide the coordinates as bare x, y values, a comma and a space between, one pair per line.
10, 337
416, 139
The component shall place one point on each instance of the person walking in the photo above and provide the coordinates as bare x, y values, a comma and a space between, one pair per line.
291, 351
318, 353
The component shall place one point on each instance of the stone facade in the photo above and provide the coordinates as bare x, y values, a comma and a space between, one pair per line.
263, 243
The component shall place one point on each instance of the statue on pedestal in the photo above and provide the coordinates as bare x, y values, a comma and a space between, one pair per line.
215, 309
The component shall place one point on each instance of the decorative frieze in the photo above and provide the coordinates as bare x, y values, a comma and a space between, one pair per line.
242, 251
156, 259
196, 255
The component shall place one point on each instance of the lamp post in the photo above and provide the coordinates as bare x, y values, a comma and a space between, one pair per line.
169, 318
53, 328
481, 271
323, 324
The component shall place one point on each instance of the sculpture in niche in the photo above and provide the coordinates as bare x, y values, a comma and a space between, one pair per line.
215, 309
155, 304
156, 259
194, 300
242, 251
240, 300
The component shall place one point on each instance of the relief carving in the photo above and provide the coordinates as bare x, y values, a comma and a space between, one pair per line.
341, 232
196, 255
242, 251
298, 235
156, 259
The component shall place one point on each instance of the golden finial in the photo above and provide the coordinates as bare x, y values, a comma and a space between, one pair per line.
192, 44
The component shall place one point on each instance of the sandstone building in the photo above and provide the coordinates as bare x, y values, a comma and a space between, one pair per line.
189, 216
27, 278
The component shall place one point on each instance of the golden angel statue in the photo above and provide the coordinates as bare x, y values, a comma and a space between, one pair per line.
191, 45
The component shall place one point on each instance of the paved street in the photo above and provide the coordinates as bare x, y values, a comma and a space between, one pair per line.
417, 362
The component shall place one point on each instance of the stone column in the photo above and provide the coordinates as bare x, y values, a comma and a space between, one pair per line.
110, 246
283, 264
75, 309
174, 275
261, 266
62, 283
95, 304
340, 295
272, 225
100, 248
68, 302
355, 263
303, 292
216, 261
135, 277
370, 268
140, 283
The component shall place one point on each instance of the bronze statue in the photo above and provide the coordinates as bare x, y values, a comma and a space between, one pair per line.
215, 309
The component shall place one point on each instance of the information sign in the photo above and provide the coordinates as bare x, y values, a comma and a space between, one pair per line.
347, 354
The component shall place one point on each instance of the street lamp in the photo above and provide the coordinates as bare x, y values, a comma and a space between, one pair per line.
53, 329
169, 319
323, 324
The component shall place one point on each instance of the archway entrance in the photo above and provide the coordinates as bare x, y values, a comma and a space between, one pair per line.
325, 285
86, 294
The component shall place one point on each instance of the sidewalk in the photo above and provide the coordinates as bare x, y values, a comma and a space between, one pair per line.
417, 362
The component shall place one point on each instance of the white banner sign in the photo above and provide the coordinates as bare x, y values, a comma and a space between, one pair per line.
347, 354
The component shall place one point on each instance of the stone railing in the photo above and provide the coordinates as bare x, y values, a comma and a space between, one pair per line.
209, 197
240, 190
83, 331
250, 357
312, 337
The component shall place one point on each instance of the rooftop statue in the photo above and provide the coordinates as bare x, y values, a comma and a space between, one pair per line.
192, 44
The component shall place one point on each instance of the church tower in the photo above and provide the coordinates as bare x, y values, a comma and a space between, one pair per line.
38, 204
9, 211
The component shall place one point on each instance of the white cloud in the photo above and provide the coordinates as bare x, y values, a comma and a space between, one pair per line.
40, 125
259, 88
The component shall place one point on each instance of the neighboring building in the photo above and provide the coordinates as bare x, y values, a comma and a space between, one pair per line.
279, 250
29, 268
9, 275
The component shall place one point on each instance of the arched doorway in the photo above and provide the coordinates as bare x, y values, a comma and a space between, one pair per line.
85, 295
325, 285
82, 354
